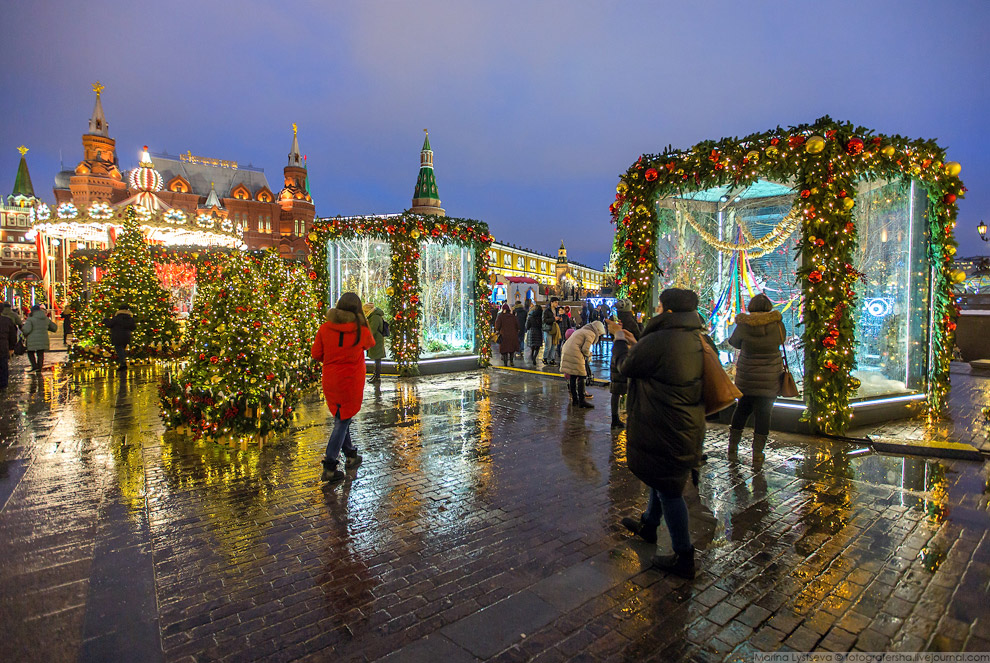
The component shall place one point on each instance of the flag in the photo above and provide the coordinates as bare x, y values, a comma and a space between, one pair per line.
39, 241
112, 235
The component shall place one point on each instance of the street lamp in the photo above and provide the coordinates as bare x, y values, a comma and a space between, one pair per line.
982, 229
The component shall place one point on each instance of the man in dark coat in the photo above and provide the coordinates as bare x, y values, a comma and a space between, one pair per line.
520, 312
507, 329
666, 420
8, 339
121, 326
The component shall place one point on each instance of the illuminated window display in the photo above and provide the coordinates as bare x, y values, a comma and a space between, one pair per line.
358, 265
848, 232
448, 310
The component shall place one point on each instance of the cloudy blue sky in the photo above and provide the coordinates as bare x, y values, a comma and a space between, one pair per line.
534, 108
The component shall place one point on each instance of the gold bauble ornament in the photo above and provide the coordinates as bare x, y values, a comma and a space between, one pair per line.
312, 237
621, 187
641, 210
957, 276
772, 151
848, 203
753, 156
414, 233
390, 291
953, 168
951, 250
814, 145
916, 169
888, 150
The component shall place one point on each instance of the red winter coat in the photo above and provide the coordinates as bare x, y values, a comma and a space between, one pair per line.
343, 362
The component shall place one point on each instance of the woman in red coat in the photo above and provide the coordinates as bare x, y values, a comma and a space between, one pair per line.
340, 344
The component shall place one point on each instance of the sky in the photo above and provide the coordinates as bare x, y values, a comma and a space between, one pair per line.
534, 108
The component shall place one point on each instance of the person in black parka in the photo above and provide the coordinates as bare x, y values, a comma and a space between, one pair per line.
666, 420
8, 339
521, 312
534, 331
617, 386
121, 326
758, 335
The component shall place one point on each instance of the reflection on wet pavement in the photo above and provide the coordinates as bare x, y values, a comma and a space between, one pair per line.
483, 503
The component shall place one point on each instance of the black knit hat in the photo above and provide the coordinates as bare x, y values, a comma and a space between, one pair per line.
679, 300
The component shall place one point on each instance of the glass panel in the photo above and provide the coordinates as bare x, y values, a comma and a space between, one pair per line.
361, 266
726, 280
892, 325
445, 275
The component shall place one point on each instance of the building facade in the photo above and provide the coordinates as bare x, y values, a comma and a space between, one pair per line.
559, 276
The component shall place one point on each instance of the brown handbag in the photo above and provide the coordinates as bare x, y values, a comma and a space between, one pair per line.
787, 387
718, 390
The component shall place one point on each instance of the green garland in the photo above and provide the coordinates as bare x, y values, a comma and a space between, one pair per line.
404, 234
824, 160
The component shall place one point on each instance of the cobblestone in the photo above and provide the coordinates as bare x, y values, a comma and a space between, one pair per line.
484, 522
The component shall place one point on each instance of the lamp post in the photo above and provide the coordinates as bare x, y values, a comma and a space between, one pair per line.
982, 229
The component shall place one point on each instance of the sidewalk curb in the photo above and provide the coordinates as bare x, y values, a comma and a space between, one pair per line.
557, 376
930, 449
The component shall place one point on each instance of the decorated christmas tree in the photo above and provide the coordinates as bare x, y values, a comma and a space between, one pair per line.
131, 281
250, 334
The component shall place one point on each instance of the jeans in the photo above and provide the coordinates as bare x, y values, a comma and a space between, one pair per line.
121, 354
37, 359
668, 503
522, 341
575, 385
761, 406
549, 349
340, 438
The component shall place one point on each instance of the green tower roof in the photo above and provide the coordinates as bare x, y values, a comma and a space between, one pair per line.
426, 184
22, 183
426, 143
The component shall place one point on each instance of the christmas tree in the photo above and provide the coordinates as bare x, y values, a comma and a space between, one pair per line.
250, 335
130, 281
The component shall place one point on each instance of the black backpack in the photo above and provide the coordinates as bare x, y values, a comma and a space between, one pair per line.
385, 328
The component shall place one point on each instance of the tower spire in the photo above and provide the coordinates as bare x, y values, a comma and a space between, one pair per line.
295, 159
98, 123
23, 189
426, 199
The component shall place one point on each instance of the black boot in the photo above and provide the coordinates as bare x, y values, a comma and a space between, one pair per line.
735, 434
759, 443
330, 472
678, 564
617, 423
642, 530
351, 458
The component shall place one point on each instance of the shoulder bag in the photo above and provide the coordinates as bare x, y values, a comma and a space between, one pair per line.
787, 387
718, 391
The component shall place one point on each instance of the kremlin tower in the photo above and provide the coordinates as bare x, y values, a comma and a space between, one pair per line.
425, 199
98, 176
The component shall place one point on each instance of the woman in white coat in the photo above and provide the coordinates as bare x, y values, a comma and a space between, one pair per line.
573, 358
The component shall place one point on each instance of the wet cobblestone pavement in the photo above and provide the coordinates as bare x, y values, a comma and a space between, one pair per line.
483, 525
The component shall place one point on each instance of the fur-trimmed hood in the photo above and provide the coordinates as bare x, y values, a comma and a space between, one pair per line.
759, 319
340, 317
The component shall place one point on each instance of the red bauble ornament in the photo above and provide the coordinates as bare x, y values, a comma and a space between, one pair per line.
651, 174
854, 146
312, 276
774, 141
828, 342
834, 333
257, 324
795, 141
805, 193
214, 360
949, 198
815, 276
202, 356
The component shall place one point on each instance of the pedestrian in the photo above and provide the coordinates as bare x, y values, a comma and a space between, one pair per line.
121, 326
563, 324
376, 323
8, 339
339, 345
521, 312
534, 331
550, 318
66, 325
628, 318
758, 335
35, 330
507, 328
585, 317
618, 385
666, 421
11, 312
573, 360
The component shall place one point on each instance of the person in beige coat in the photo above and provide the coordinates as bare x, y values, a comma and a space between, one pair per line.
573, 358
